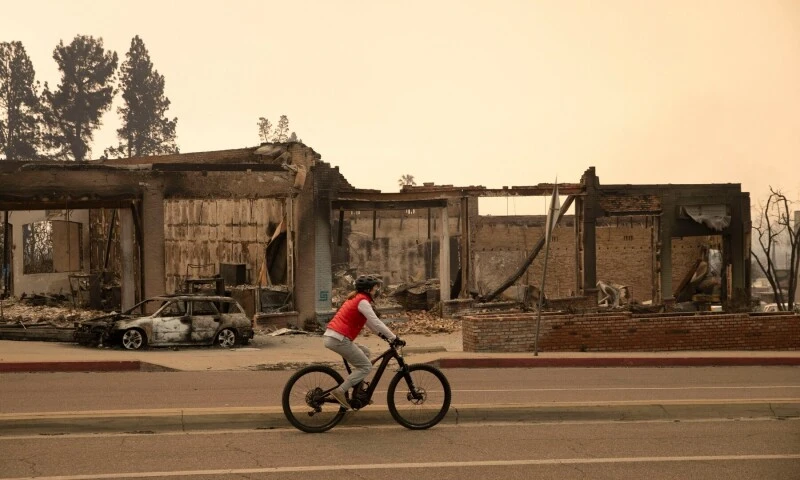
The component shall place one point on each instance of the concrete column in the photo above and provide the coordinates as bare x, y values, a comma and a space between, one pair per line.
738, 243
444, 259
589, 239
665, 237
656, 294
126, 236
322, 261
578, 231
466, 265
153, 242
299, 300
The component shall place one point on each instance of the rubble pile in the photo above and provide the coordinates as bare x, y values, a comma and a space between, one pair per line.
419, 322
63, 316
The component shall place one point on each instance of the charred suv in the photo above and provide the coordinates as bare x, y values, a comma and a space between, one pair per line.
176, 320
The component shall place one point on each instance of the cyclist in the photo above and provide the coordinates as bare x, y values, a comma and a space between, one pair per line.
355, 312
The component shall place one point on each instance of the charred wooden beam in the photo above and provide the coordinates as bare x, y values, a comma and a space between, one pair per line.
110, 237
213, 167
357, 205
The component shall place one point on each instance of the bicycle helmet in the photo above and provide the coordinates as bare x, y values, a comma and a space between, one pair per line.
365, 282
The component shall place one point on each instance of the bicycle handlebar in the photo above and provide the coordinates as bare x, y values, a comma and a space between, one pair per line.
397, 342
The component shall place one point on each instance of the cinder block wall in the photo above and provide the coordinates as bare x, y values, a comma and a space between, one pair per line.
625, 332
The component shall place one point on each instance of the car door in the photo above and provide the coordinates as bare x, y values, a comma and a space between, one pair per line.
205, 321
171, 324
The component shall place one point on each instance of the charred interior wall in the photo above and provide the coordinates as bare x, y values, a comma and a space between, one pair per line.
401, 251
503, 243
201, 234
624, 254
63, 242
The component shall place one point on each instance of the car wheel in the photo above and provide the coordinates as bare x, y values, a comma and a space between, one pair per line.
134, 339
226, 338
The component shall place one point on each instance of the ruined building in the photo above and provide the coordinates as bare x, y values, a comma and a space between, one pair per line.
281, 223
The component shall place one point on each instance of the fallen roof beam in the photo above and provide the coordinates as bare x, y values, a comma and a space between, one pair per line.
527, 263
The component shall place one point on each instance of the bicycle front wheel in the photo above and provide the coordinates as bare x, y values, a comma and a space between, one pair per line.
305, 404
420, 398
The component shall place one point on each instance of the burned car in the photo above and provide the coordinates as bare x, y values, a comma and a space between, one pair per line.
175, 320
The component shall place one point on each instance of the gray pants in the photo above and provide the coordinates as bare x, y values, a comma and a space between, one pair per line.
356, 355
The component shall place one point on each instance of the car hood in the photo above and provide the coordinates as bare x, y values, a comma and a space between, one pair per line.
106, 320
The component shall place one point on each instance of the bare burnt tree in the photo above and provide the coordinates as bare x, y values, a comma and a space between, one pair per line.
264, 129
775, 226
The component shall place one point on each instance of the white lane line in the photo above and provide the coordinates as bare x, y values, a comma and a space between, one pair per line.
400, 466
600, 389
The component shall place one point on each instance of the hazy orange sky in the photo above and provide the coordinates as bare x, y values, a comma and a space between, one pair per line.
462, 92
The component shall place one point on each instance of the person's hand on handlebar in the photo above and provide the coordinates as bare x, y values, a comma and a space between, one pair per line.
398, 342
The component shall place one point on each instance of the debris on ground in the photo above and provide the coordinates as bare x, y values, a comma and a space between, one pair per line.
418, 322
287, 331
20, 311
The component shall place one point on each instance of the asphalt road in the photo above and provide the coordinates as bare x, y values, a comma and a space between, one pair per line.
63, 392
709, 449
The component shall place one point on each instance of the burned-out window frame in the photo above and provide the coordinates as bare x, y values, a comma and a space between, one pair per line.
38, 248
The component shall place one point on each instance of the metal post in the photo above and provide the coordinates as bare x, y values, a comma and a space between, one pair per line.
6, 262
541, 300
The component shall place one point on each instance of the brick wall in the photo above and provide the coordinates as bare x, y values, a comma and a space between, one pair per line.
624, 255
402, 252
625, 332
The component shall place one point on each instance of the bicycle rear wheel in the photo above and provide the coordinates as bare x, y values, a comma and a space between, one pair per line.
425, 405
304, 402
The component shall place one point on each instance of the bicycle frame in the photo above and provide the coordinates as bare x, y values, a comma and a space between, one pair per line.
385, 358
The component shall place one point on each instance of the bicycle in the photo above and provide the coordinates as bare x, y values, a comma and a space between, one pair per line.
418, 396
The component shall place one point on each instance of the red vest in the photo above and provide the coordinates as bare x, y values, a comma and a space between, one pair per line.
348, 320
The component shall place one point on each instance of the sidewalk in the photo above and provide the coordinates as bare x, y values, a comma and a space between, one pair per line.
290, 351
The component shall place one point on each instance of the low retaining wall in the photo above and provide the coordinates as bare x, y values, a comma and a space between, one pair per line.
626, 332
276, 320
40, 333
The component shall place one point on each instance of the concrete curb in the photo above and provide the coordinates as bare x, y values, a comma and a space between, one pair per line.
464, 362
83, 366
687, 361
185, 420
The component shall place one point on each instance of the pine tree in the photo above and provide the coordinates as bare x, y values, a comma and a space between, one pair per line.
145, 128
282, 130
74, 110
264, 129
20, 134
